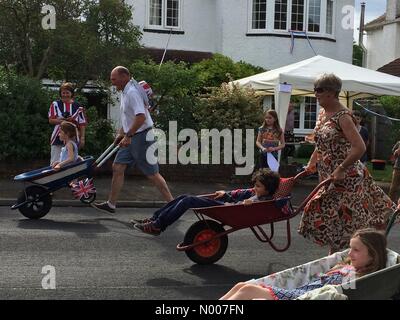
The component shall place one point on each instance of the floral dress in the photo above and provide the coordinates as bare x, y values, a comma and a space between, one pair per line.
335, 212
336, 276
270, 137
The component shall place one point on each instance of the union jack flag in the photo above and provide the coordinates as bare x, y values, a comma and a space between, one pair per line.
83, 188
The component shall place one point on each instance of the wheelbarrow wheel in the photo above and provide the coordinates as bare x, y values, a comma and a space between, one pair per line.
209, 252
89, 199
39, 204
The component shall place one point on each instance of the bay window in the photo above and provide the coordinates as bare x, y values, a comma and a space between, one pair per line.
315, 17
164, 13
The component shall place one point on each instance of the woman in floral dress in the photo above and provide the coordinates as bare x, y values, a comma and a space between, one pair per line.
353, 200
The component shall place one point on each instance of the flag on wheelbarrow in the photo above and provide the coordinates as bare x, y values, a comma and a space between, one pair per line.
83, 188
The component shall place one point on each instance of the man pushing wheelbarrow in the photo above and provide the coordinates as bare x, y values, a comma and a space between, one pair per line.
134, 138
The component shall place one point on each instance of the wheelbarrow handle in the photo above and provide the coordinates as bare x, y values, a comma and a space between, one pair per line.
391, 220
106, 155
301, 175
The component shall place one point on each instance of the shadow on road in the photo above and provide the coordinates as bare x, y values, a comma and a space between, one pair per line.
81, 228
214, 274
221, 278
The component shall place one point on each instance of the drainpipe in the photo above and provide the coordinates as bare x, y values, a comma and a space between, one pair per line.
361, 34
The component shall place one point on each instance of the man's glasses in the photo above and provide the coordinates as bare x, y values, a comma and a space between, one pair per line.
319, 90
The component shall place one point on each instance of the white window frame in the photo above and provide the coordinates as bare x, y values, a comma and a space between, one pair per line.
305, 17
287, 18
250, 17
301, 130
325, 11
163, 25
268, 102
270, 23
321, 31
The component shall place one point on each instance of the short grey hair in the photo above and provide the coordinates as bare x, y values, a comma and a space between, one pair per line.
122, 70
330, 82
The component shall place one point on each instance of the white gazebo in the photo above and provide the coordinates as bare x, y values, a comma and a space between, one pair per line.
298, 79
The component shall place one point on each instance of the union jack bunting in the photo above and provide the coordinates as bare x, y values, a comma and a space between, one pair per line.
83, 188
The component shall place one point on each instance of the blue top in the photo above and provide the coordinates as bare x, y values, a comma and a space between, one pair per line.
64, 152
239, 195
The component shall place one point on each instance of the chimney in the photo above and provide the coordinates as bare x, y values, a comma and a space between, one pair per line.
361, 29
392, 9
361, 35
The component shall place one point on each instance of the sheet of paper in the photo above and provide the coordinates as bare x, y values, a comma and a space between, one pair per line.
272, 162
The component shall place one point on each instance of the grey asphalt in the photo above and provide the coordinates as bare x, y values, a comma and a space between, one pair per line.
97, 256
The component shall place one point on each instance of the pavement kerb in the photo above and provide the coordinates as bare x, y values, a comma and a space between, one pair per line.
147, 203
76, 203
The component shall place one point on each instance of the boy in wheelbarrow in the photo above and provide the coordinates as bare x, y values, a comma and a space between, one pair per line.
266, 182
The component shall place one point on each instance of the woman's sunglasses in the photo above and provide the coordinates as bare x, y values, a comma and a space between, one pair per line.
319, 90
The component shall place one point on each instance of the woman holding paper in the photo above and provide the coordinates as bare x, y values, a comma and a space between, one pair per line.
353, 200
270, 140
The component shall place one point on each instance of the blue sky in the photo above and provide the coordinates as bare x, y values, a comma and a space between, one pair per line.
373, 9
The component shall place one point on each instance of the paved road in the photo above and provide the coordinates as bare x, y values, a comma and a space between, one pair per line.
97, 256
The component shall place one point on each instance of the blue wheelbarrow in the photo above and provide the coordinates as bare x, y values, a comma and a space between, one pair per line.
35, 201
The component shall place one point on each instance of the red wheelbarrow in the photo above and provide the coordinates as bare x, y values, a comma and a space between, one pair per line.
206, 241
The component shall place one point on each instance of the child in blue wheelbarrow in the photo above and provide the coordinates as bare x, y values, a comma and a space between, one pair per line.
265, 181
69, 152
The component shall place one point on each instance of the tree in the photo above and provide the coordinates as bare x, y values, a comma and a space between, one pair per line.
230, 107
89, 39
357, 55
213, 72
175, 87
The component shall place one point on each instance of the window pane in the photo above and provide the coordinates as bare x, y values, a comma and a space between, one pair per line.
172, 13
259, 14
297, 15
280, 14
329, 16
155, 12
310, 112
314, 15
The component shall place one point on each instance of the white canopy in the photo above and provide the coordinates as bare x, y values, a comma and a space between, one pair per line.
298, 79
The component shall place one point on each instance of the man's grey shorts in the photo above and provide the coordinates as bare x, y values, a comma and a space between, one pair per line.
135, 154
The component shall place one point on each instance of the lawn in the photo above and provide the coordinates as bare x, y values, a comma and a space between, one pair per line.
378, 175
381, 175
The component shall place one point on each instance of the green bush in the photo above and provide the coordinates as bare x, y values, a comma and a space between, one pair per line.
180, 110
99, 134
24, 128
305, 151
230, 107
219, 69
177, 86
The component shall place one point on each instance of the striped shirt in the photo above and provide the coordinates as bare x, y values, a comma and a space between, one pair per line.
58, 109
